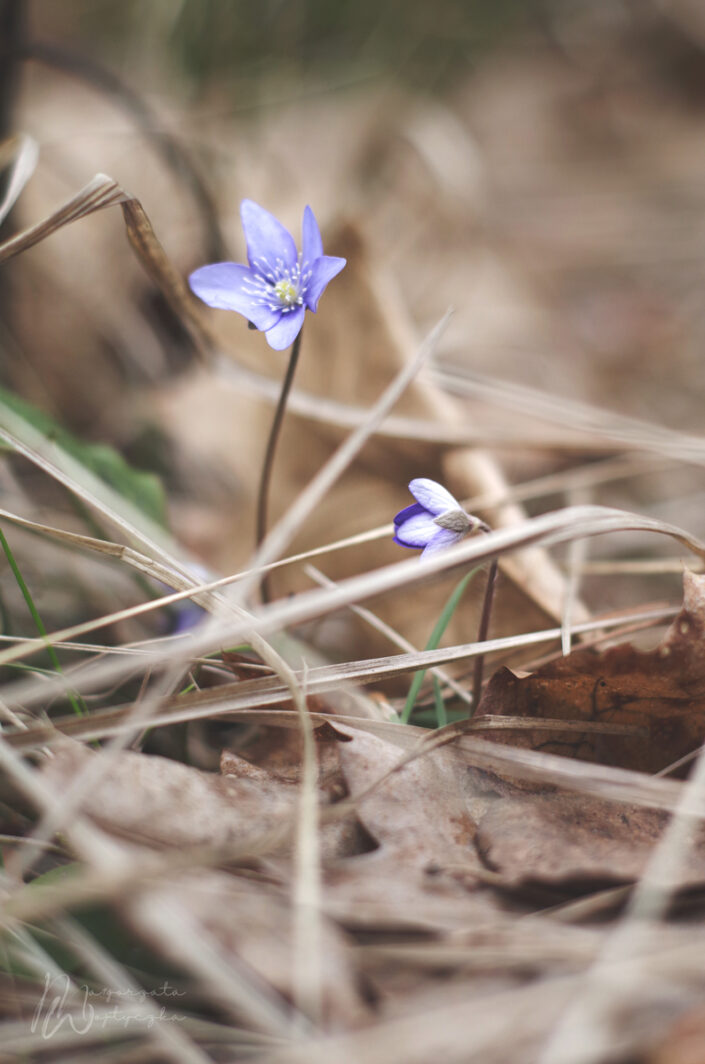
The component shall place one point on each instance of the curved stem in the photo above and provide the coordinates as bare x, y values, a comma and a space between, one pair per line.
266, 475
482, 635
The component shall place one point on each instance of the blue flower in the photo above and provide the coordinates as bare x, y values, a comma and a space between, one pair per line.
279, 283
435, 521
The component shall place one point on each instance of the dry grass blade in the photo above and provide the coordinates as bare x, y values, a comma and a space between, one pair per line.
341, 415
603, 995
396, 426
576, 478
477, 1030
577, 552
308, 936
589, 475
602, 781
98, 194
119, 551
638, 567
393, 636
47, 455
158, 266
552, 528
438, 431
638, 439
133, 1003
465, 1032
268, 691
20, 154
157, 916
619, 785
103, 192
596, 424
549, 529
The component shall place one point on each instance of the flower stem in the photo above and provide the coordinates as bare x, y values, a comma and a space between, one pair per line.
266, 475
482, 635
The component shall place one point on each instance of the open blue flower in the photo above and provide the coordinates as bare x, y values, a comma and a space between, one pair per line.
435, 521
274, 291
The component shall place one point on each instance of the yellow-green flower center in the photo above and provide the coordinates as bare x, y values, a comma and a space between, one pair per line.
286, 292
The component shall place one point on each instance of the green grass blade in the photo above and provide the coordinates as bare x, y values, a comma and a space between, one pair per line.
436, 636
76, 704
441, 715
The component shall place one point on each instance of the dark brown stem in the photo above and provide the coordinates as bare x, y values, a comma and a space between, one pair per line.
482, 635
13, 18
263, 493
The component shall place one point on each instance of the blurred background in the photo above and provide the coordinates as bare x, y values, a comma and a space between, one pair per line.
538, 166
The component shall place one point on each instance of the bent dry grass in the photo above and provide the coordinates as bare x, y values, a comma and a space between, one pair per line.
187, 904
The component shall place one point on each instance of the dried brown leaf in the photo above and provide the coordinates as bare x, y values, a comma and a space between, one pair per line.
566, 839
424, 870
660, 694
535, 834
157, 801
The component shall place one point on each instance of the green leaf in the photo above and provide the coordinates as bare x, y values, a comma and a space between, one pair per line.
143, 490
57, 875
79, 706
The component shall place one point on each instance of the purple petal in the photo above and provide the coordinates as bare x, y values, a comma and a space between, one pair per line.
407, 512
311, 243
322, 270
220, 285
267, 239
443, 539
433, 496
417, 531
287, 329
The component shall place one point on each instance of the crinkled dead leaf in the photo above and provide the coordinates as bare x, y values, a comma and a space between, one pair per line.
156, 801
424, 871
571, 840
660, 694
535, 834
